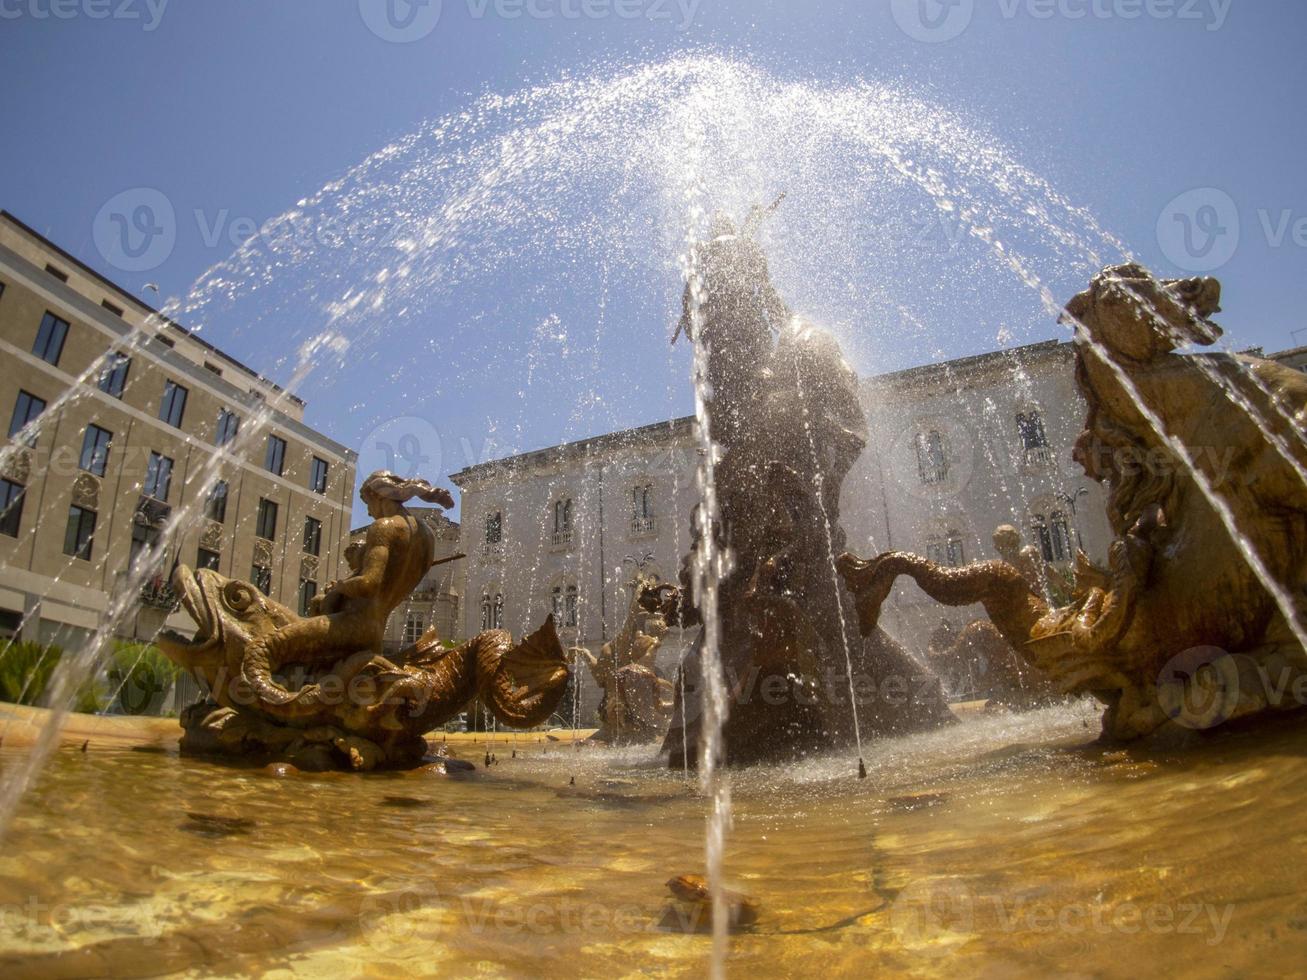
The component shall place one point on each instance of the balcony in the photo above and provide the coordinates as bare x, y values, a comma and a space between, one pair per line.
493, 551
157, 593
1038, 455
644, 527
562, 540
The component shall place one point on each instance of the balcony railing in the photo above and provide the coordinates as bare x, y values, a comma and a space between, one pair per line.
1037, 455
643, 526
563, 538
493, 550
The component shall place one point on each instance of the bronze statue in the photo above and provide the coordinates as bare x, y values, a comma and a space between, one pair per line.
316, 691
1179, 631
637, 703
785, 412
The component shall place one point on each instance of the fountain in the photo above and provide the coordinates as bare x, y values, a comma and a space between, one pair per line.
1000, 843
351, 707
788, 426
1197, 620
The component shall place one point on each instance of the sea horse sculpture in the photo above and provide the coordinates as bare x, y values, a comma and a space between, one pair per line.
1180, 631
317, 690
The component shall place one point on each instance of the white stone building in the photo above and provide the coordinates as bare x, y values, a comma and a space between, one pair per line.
955, 450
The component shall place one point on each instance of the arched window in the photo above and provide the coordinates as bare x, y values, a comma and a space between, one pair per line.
1060, 537
932, 461
415, 626
1039, 525
487, 613
956, 552
495, 527
642, 508
566, 602
1030, 425
498, 620
563, 521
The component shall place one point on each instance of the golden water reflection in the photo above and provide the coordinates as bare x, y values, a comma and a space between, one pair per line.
1005, 847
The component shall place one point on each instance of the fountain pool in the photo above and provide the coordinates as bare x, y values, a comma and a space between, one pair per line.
1006, 846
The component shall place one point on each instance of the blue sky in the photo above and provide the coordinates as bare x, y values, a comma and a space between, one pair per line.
241, 108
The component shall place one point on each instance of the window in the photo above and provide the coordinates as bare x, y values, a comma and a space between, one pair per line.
204, 558
145, 540
495, 528
308, 592
1031, 427
932, 463
642, 519
214, 368
79, 533
492, 611
172, 409
566, 603
267, 520
414, 628
95, 450
56, 272
261, 576
158, 477
318, 475
563, 522
50, 338
956, 552
947, 549
113, 373
1054, 536
115, 310
26, 409
274, 459
312, 536
11, 507
164, 340
215, 505
1060, 537
229, 424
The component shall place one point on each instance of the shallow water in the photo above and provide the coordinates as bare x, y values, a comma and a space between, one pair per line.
1005, 847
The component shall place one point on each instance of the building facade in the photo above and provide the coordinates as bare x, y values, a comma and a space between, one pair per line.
955, 450
118, 417
438, 600
564, 529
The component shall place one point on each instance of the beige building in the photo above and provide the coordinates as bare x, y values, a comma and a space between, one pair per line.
438, 600
89, 480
